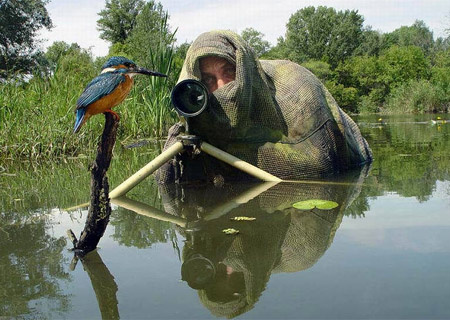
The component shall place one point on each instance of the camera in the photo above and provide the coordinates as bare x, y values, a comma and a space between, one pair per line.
190, 98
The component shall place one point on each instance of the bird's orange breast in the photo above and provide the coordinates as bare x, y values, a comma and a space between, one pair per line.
112, 99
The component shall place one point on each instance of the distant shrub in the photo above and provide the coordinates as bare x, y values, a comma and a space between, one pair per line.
367, 105
417, 96
441, 79
321, 69
347, 98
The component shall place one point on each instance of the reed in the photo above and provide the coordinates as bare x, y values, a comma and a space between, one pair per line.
37, 116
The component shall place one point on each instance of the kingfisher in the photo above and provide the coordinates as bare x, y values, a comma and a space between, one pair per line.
108, 89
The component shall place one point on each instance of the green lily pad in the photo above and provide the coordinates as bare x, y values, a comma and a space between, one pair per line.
230, 231
243, 218
315, 203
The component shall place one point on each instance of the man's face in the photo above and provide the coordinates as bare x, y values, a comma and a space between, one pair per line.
216, 72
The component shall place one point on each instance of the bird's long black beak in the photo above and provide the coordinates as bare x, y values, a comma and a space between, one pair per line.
149, 72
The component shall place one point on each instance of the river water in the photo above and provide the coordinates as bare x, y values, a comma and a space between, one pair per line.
382, 253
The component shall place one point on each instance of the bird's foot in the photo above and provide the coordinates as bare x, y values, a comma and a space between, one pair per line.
115, 115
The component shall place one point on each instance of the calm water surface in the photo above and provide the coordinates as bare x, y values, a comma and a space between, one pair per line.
382, 253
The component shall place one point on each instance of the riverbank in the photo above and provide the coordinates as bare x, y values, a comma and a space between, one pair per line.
36, 118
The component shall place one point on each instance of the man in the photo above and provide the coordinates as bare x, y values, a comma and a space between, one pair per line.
273, 114
216, 72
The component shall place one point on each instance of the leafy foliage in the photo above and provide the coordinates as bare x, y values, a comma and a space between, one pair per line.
118, 19
416, 35
256, 41
179, 56
417, 96
360, 66
63, 58
400, 64
151, 31
20, 20
321, 69
371, 43
323, 34
375, 77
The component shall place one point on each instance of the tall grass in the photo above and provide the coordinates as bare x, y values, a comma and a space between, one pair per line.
37, 117
416, 96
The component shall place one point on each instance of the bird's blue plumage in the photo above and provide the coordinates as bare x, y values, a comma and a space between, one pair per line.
79, 120
101, 86
115, 61
114, 72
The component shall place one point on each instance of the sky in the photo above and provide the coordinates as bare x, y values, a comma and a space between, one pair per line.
76, 20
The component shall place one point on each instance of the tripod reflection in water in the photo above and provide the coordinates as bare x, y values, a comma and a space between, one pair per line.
230, 272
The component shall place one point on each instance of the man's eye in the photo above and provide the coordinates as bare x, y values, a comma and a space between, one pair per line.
230, 73
208, 80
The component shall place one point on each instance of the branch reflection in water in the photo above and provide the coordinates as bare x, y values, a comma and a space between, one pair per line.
103, 283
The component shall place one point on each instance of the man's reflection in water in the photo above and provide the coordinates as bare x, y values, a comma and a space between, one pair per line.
230, 272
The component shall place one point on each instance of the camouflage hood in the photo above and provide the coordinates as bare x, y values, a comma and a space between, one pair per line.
243, 110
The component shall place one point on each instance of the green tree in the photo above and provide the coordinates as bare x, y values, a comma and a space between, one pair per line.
361, 72
280, 51
179, 56
346, 97
416, 35
20, 20
323, 34
150, 34
118, 19
375, 77
58, 50
371, 43
256, 41
440, 45
416, 96
401, 64
321, 69
441, 73
76, 62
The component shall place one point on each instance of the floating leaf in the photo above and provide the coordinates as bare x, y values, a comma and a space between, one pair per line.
230, 231
315, 203
243, 218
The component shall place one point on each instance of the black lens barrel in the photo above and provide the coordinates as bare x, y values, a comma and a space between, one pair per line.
190, 97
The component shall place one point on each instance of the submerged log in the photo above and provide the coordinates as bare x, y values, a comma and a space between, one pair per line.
99, 208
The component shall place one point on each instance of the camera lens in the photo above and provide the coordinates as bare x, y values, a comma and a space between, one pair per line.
190, 97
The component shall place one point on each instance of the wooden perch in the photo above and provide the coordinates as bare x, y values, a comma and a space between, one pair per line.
99, 208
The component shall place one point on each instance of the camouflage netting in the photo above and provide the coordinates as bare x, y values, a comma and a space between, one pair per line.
276, 115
